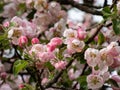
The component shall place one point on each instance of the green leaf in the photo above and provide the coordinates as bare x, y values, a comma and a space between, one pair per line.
106, 12
28, 87
101, 38
49, 66
82, 79
83, 82
4, 42
116, 26
19, 65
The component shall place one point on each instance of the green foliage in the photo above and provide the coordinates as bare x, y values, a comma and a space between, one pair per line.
4, 42
106, 12
28, 87
49, 66
116, 26
83, 82
1, 6
19, 65
109, 14
22, 8
101, 38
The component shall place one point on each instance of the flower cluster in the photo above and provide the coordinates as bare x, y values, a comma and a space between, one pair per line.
100, 61
42, 48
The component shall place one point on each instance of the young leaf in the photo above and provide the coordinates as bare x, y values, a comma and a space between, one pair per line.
19, 65
28, 87
116, 26
101, 38
106, 12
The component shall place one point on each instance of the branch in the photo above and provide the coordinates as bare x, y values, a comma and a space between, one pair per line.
94, 34
105, 3
57, 76
80, 6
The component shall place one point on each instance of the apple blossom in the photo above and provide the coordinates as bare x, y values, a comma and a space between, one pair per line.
5, 87
22, 40
60, 65
40, 4
113, 49
92, 56
105, 57
6, 24
94, 81
51, 47
54, 45
69, 33
35, 41
56, 41
76, 45
3, 75
21, 86
44, 81
81, 34
46, 56
116, 62
116, 78
36, 48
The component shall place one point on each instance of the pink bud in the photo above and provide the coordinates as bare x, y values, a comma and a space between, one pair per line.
21, 86
51, 47
116, 78
96, 38
3, 75
6, 24
60, 65
44, 81
22, 40
35, 41
56, 41
81, 34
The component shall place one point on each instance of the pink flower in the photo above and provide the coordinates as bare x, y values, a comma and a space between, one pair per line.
5, 87
36, 48
35, 41
75, 45
56, 41
116, 78
60, 65
92, 56
116, 62
96, 38
44, 81
69, 33
51, 47
113, 49
21, 86
3, 75
81, 34
6, 24
22, 40
46, 56
94, 81
71, 74
105, 57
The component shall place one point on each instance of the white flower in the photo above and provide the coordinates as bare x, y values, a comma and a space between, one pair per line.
92, 56
69, 33
76, 45
105, 57
94, 81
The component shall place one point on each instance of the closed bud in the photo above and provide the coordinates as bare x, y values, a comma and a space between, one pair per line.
35, 41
